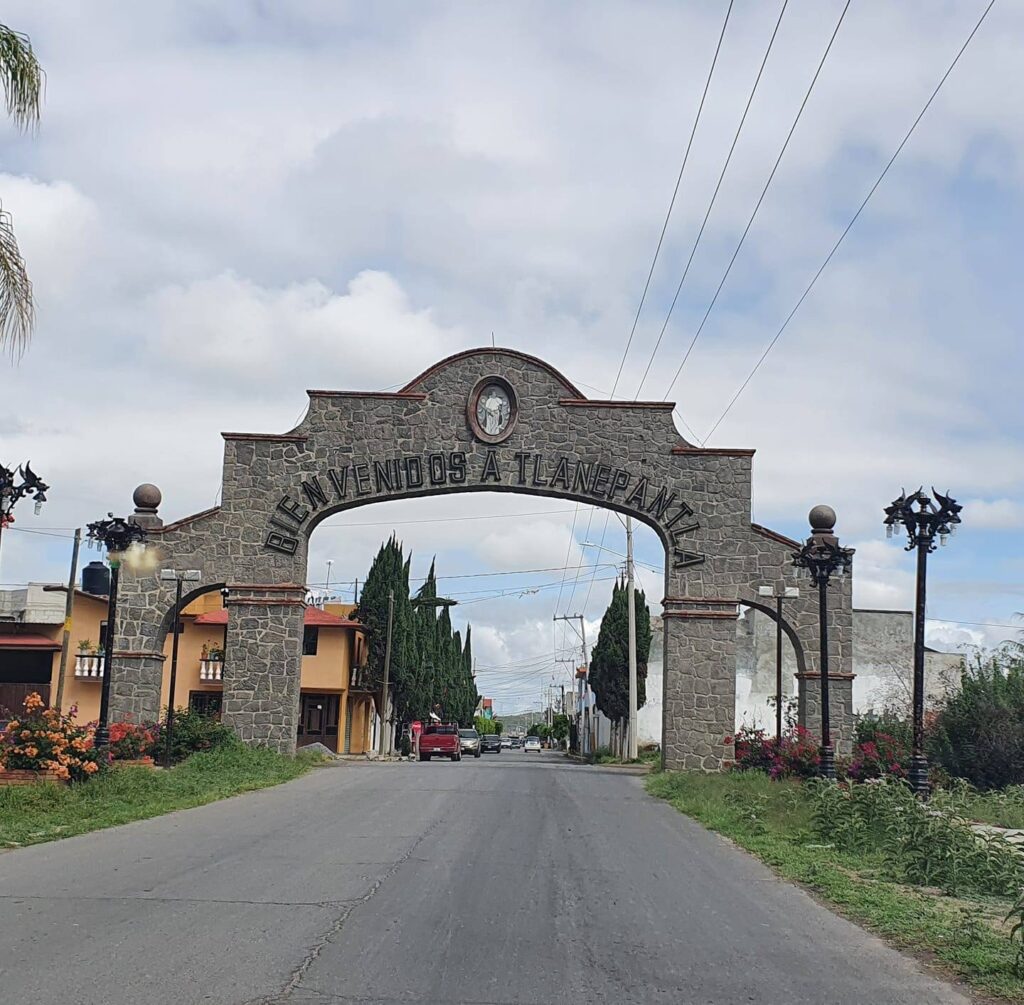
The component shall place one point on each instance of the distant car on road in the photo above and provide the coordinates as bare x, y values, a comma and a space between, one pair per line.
532, 743
515, 742
490, 743
469, 741
507, 742
441, 740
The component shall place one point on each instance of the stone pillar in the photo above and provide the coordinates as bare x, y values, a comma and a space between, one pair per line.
840, 701
699, 706
135, 680
262, 663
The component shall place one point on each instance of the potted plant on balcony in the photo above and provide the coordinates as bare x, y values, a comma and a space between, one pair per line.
217, 654
86, 663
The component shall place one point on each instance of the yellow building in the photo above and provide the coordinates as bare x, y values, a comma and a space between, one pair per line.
334, 707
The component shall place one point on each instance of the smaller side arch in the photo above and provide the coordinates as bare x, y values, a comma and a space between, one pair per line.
186, 599
790, 631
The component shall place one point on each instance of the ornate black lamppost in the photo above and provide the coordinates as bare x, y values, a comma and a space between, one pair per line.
823, 557
12, 491
117, 535
925, 519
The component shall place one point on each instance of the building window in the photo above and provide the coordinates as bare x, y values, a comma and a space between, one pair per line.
103, 637
310, 638
205, 703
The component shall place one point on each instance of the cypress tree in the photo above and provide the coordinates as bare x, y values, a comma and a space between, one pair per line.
609, 663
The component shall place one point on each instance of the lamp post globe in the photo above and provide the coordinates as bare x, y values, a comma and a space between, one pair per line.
824, 558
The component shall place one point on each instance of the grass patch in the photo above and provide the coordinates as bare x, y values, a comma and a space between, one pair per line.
30, 814
774, 820
1002, 809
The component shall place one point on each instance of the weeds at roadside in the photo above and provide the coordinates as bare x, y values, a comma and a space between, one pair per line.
858, 853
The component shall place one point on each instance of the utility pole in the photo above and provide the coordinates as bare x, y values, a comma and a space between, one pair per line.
633, 749
585, 743
384, 744
69, 604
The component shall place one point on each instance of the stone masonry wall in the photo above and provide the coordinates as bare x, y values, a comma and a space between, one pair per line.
353, 449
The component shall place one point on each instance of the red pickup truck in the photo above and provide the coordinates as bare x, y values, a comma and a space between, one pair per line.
440, 740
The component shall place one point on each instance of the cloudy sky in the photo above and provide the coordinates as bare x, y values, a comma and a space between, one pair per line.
228, 203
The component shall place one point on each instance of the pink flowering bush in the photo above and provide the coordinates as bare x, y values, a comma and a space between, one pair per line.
795, 756
884, 756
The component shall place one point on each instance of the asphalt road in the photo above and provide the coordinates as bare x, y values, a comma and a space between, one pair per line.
517, 878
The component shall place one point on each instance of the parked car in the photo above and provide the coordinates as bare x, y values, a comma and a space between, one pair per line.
441, 740
469, 741
491, 743
507, 742
532, 743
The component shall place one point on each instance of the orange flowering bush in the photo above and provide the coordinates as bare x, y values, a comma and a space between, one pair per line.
43, 738
129, 741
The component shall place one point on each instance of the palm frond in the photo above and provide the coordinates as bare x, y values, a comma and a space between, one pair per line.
22, 76
17, 307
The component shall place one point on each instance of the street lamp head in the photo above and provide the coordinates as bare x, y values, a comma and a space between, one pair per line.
923, 518
117, 535
11, 491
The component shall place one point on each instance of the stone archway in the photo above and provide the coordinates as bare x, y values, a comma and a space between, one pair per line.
484, 420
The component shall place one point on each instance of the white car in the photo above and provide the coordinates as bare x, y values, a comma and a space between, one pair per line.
532, 743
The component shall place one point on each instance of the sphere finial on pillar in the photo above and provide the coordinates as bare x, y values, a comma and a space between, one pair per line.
822, 518
147, 497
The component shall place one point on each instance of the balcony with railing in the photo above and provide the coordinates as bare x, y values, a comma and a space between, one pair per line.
361, 679
211, 671
88, 667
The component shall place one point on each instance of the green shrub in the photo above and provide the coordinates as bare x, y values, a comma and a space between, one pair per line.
978, 733
919, 844
194, 732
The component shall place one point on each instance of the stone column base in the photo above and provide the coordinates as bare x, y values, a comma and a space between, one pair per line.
699, 706
840, 701
263, 662
135, 682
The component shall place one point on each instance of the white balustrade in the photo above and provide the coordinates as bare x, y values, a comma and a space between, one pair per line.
211, 670
89, 667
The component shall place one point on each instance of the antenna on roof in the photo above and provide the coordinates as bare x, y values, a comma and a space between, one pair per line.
492, 340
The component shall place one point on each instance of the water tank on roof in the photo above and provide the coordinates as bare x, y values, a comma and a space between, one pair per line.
96, 579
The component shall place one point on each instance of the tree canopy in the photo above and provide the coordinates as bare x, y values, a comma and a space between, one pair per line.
431, 666
609, 661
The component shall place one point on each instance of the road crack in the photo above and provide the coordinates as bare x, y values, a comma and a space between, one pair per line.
292, 985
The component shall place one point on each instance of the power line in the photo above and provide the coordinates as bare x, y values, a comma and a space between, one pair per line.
714, 196
672, 201
757, 207
849, 226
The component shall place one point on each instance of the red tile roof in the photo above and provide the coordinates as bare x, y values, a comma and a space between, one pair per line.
28, 642
314, 616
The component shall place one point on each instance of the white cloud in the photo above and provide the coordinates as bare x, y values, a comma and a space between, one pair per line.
994, 514
224, 207
229, 329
